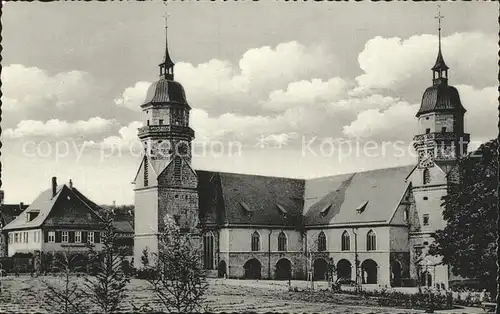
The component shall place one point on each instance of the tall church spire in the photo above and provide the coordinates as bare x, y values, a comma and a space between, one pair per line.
167, 66
440, 69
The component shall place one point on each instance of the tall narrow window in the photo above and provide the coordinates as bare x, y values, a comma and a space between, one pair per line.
371, 241
255, 242
321, 242
52, 236
78, 236
426, 176
90, 237
65, 236
208, 250
282, 242
346, 241
426, 219
145, 172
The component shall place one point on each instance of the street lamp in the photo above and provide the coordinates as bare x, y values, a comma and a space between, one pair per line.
356, 260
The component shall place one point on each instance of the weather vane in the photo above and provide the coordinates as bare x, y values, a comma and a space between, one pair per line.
166, 14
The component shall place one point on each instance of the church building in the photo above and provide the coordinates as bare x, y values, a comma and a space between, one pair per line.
376, 226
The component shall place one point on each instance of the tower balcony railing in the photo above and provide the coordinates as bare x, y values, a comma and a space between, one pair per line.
155, 129
442, 136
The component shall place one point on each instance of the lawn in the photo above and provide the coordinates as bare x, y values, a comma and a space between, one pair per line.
25, 295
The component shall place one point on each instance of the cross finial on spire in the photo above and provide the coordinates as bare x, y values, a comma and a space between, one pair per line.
167, 67
439, 17
440, 69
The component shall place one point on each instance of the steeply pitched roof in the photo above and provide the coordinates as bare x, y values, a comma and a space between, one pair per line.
363, 197
8, 212
66, 199
250, 199
123, 226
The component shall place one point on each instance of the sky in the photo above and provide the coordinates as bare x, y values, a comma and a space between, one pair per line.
284, 89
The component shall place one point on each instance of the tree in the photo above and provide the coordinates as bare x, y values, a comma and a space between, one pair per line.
180, 280
468, 242
108, 287
62, 293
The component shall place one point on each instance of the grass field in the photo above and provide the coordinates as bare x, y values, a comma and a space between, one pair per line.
25, 295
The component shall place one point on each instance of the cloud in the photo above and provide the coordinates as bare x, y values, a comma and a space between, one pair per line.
306, 93
133, 97
394, 63
396, 122
27, 87
218, 86
127, 138
58, 128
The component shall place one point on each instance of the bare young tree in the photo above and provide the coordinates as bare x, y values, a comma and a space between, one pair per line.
180, 280
62, 292
107, 289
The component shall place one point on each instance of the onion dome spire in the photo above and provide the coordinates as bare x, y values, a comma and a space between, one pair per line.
167, 66
440, 69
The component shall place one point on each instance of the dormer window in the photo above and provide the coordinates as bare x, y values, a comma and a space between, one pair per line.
282, 210
325, 210
247, 208
361, 208
32, 215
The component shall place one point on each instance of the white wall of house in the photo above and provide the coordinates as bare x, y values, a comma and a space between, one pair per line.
28, 241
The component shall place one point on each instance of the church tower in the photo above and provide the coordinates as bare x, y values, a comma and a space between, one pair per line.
165, 183
440, 141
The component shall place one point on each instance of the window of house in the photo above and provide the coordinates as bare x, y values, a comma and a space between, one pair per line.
25, 236
208, 250
371, 241
147, 123
443, 129
346, 241
91, 237
10, 238
255, 242
426, 176
427, 131
426, 219
65, 237
78, 237
16, 237
160, 122
52, 236
406, 214
321, 242
282, 242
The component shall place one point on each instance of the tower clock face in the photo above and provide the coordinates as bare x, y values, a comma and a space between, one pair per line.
425, 158
182, 148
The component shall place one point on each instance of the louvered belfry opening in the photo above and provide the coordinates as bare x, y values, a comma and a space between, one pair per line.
177, 169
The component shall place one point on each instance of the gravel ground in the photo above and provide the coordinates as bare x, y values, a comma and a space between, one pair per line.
25, 295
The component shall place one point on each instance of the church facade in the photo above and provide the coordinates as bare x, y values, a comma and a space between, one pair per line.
374, 226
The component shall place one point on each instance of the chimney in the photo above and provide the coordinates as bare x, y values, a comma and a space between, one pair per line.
70, 184
54, 186
21, 205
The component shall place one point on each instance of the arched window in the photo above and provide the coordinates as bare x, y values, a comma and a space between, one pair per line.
426, 176
346, 241
282, 242
208, 250
321, 242
371, 241
255, 242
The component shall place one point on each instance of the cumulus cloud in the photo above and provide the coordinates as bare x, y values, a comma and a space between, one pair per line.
133, 97
220, 86
28, 87
393, 63
58, 128
126, 138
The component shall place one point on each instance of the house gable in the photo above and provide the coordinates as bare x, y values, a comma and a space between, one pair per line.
71, 210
